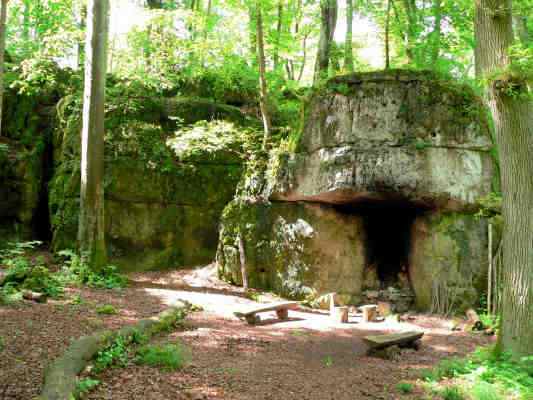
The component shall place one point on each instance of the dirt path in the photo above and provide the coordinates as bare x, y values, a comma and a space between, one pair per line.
306, 357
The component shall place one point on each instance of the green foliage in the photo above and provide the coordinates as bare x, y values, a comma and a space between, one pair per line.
169, 357
23, 272
490, 205
405, 387
487, 373
114, 355
76, 271
2, 345
106, 309
84, 386
209, 137
452, 393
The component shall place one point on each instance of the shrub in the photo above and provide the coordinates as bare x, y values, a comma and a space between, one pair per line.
452, 393
76, 271
169, 357
84, 386
404, 387
106, 309
114, 355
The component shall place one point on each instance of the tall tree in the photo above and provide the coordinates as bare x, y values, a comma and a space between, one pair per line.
512, 110
91, 223
348, 45
3, 18
328, 22
436, 33
387, 34
279, 28
263, 88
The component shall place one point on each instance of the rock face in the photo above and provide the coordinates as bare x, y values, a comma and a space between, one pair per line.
161, 211
383, 184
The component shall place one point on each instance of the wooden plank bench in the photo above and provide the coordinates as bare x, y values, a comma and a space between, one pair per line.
281, 309
404, 339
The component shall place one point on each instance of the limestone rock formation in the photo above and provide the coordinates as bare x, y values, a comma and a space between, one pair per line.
384, 180
161, 211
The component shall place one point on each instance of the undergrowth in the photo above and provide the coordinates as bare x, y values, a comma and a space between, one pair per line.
169, 357
25, 271
485, 375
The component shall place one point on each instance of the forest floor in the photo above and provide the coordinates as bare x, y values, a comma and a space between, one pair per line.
306, 357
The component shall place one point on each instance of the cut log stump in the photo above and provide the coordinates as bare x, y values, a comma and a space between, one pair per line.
340, 314
369, 312
34, 296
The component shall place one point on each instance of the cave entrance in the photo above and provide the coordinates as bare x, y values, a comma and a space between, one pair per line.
387, 241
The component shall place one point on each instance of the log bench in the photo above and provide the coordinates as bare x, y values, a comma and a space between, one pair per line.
404, 339
281, 309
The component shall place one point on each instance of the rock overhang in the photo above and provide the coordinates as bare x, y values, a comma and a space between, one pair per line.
390, 134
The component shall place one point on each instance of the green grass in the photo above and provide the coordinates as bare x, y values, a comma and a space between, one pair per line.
106, 309
405, 387
452, 393
486, 375
169, 357
84, 386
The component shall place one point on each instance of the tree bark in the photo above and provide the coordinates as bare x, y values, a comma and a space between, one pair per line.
512, 111
410, 37
91, 224
263, 88
436, 34
348, 45
328, 12
387, 35
242, 256
279, 28
3, 19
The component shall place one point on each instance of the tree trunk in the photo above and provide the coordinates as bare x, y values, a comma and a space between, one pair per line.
410, 11
436, 34
279, 28
91, 224
387, 35
263, 88
242, 255
3, 18
348, 45
512, 111
328, 11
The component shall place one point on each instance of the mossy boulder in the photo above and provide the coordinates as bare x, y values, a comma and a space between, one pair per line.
162, 208
297, 250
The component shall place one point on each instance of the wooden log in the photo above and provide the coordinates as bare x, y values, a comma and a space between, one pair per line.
283, 313
473, 320
340, 314
384, 308
34, 296
394, 339
251, 317
369, 312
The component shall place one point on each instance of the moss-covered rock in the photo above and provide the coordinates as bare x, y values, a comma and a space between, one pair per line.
162, 206
298, 250
448, 261
377, 143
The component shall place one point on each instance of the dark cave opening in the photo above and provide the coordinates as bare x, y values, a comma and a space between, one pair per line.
387, 236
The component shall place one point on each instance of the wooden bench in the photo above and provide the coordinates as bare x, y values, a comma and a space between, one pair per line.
405, 339
281, 309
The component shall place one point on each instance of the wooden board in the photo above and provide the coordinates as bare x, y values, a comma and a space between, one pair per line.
288, 305
381, 341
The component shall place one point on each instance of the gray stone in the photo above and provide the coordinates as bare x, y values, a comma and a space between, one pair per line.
384, 139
